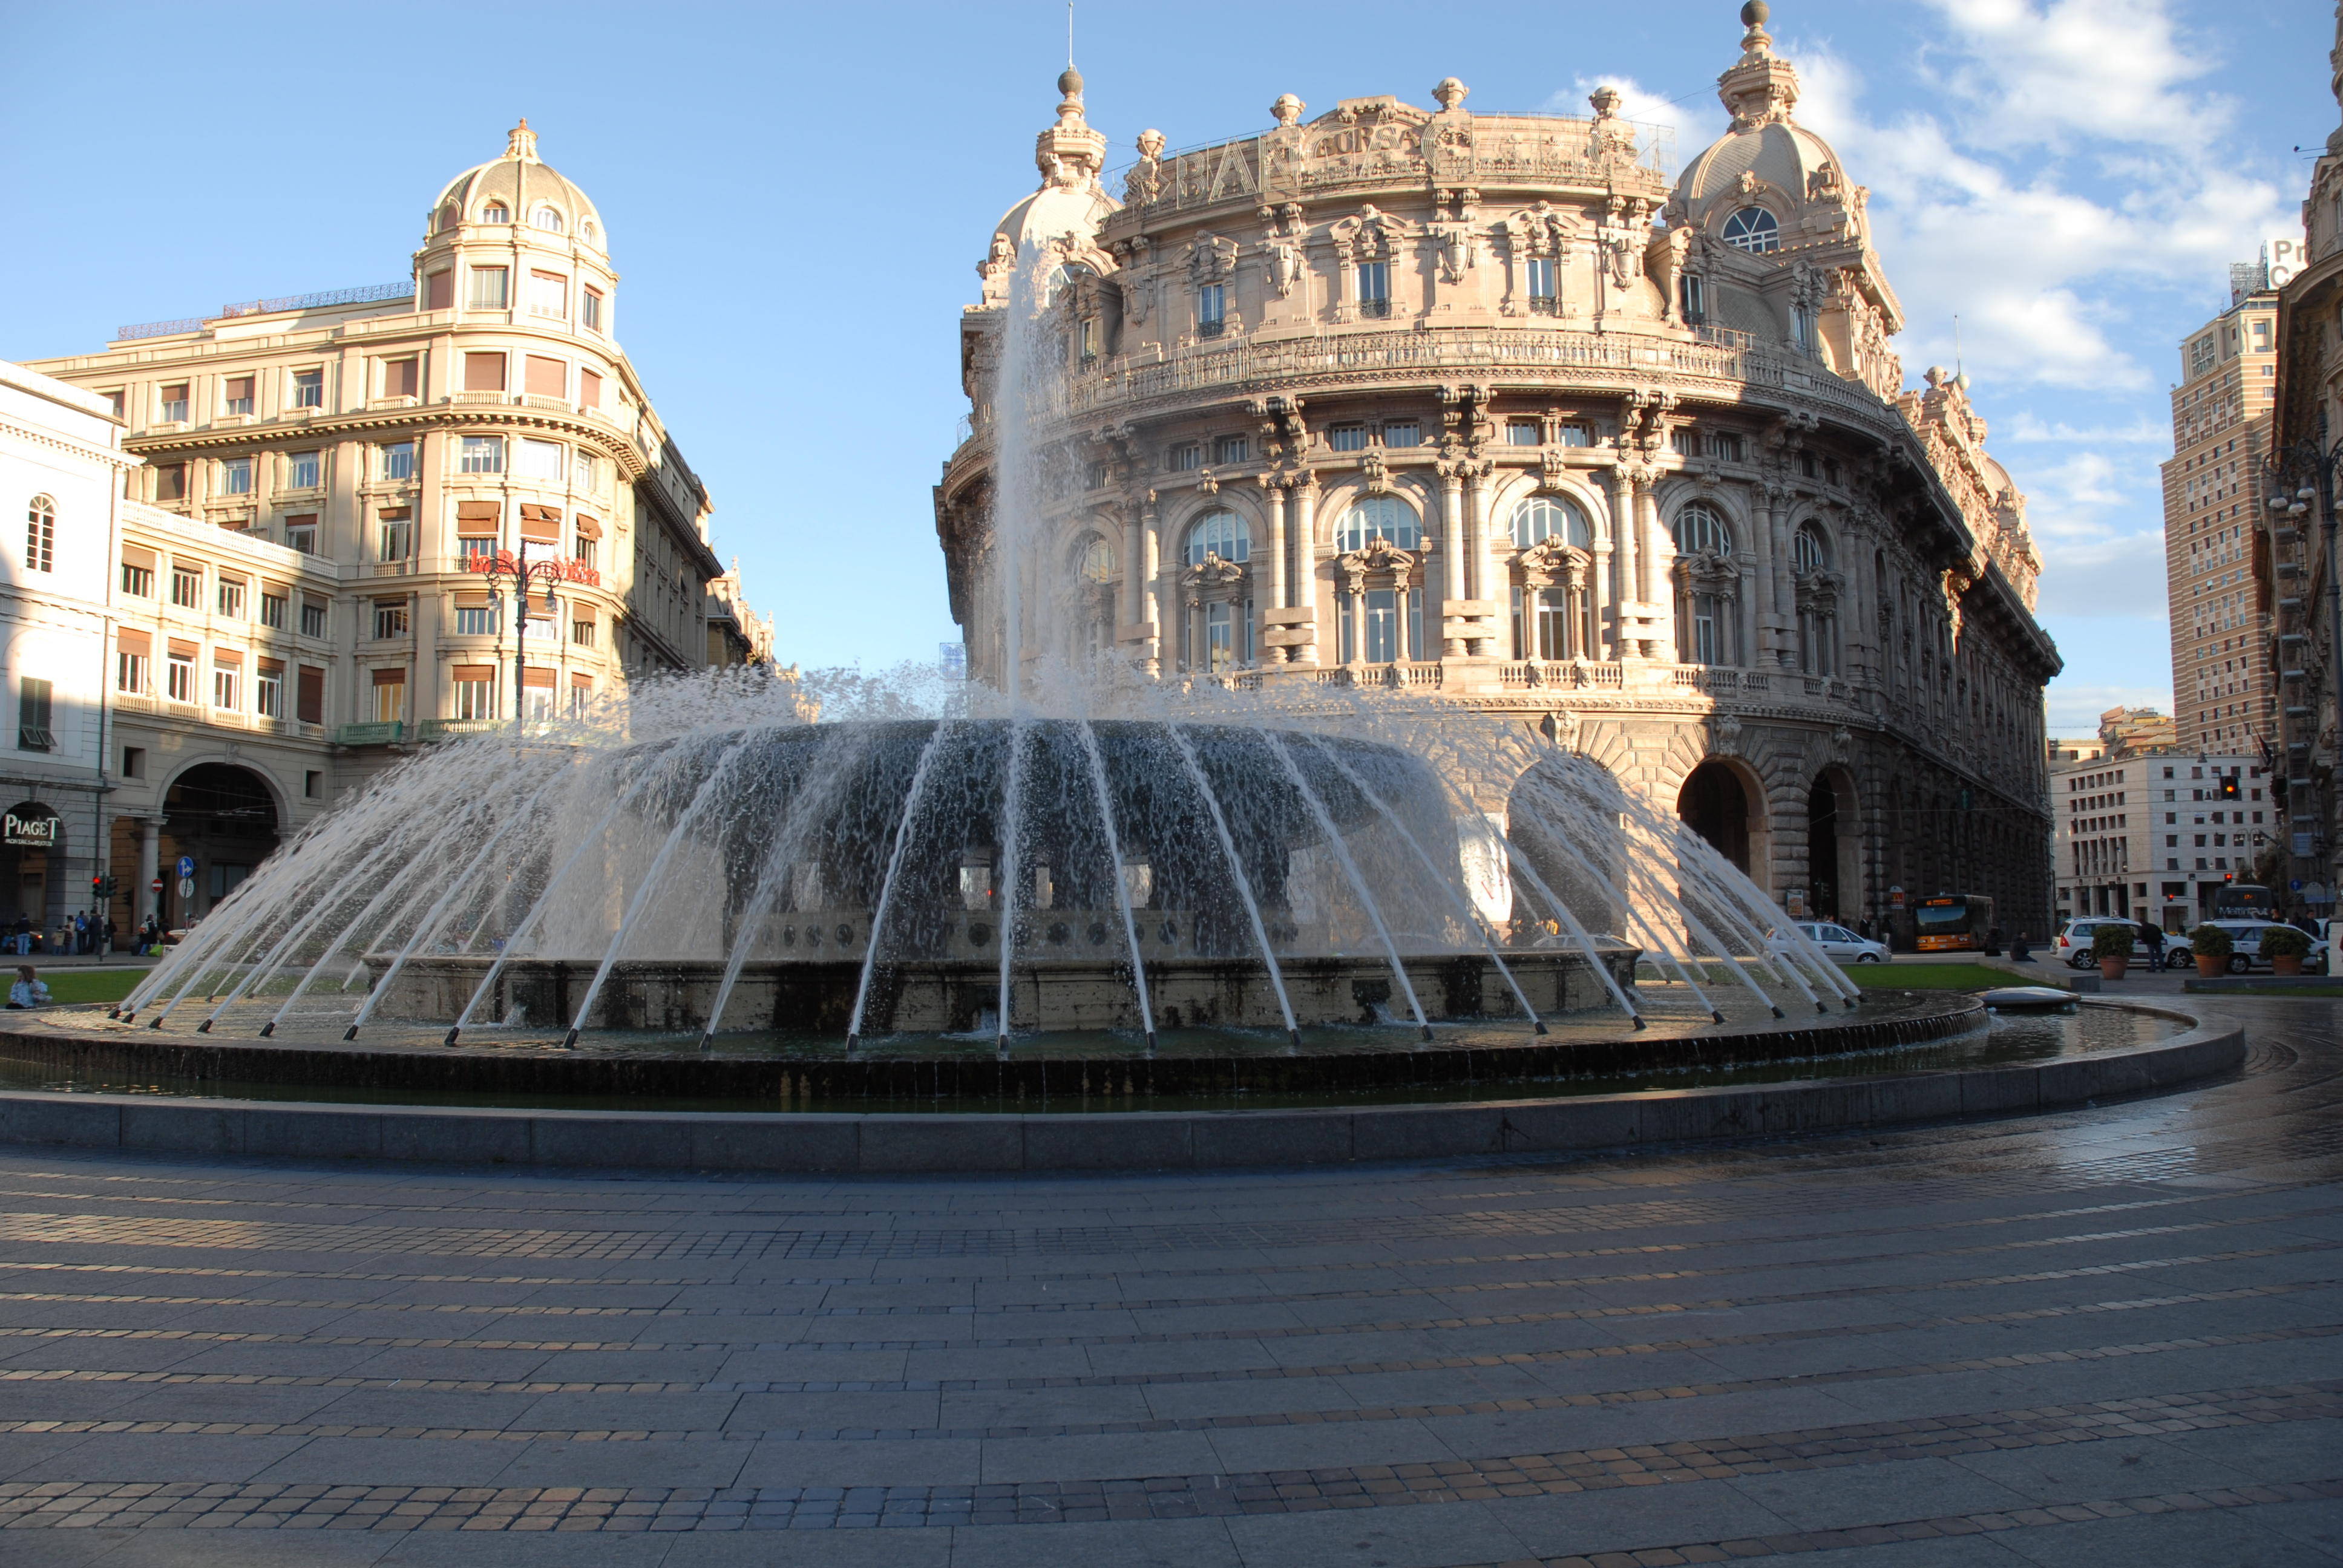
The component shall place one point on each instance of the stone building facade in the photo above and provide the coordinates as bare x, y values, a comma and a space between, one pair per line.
328, 499
1487, 406
2298, 564
2224, 691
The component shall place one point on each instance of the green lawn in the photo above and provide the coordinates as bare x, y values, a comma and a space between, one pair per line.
1940, 977
86, 985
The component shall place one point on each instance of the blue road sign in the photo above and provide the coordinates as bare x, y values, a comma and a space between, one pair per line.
186, 865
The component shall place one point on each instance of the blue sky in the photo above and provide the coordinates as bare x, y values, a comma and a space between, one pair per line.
796, 195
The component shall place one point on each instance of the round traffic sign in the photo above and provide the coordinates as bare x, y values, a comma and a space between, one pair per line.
187, 886
2294, 886
187, 866
155, 885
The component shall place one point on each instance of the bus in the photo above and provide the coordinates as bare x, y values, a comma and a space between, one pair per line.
1951, 922
2243, 901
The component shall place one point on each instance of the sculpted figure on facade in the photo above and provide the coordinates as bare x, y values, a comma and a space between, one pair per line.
1144, 183
1610, 140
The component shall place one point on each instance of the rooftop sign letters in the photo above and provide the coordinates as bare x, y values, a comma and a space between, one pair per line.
564, 570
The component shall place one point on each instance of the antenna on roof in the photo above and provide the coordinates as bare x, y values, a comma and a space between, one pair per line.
1960, 375
1070, 34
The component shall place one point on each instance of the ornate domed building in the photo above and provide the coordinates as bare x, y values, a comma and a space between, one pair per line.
1486, 405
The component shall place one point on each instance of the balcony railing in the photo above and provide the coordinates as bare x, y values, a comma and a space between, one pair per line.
382, 733
448, 729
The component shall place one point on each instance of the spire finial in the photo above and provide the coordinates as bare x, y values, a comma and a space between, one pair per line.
520, 142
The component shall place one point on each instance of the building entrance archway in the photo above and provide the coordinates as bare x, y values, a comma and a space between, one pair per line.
1718, 805
224, 818
1834, 858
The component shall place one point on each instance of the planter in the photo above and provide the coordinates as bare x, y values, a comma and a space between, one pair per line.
2113, 968
2210, 966
2289, 964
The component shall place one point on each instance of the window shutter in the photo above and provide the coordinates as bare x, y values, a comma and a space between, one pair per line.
477, 519
394, 514
140, 643
438, 294
310, 701
301, 520
227, 658
536, 675
484, 372
239, 387
271, 666
390, 678
180, 650
474, 672
399, 376
541, 525
137, 556
589, 388
546, 377
588, 527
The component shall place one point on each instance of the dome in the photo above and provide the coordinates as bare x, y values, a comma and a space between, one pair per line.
1783, 155
530, 193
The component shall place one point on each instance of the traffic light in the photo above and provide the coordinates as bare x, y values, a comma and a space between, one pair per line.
2228, 787
2278, 787
97, 886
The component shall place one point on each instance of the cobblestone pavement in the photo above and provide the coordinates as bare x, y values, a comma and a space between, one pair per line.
2110, 1335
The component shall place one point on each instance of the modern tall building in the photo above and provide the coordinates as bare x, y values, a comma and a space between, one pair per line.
2297, 495
2224, 691
1491, 407
330, 497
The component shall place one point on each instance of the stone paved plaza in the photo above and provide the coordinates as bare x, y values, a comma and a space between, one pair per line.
2104, 1336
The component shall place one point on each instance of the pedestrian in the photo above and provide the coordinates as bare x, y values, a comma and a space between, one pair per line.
2019, 953
81, 935
106, 937
2153, 935
28, 990
1992, 943
23, 934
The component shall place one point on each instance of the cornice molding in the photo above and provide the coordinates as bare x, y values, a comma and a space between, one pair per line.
82, 450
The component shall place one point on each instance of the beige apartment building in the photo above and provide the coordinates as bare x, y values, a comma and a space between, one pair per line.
2224, 689
2152, 832
1491, 405
335, 495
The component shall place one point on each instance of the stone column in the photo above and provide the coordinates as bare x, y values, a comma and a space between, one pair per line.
1598, 589
1656, 555
1151, 585
1303, 591
1452, 548
143, 900
1275, 490
1481, 498
1784, 587
1626, 514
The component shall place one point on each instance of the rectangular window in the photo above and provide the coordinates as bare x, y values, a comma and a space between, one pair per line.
180, 677
1382, 625
541, 460
584, 551
230, 598
390, 617
1347, 438
484, 372
1186, 455
474, 548
272, 609
401, 377
589, 314
1523, 433
118, 400
581, 632
170, 482
235, 395
130, 662
302, 470
536, 693
1728, 446
171, 402
186, 588
308, 388
313, 617
548, 295
313, 783
226, 679
301, 532
589, 388
440, 289
587, 471
476, 691
399, 460
389, 696
33, 715
236, 477
137, 581
543, 377
309, 696
1374, 288
581, 694
1542, 291
1212, 310
1577, 435
483, 455
268, 690
395, 535
487, 288
1403, 433
1231, 449
476, 620
1692, 294
1684, 443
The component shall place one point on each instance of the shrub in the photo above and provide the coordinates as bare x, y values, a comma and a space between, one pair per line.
2112, 941
2283, 942
2209, 942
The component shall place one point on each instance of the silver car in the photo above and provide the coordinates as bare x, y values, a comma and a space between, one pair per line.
1837, 943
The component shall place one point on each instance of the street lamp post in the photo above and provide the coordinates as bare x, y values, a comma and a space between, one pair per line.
2302, 477
520, 568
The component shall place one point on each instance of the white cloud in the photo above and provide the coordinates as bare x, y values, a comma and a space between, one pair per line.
2073, 711
1636, 102
2029, 426
2081, 70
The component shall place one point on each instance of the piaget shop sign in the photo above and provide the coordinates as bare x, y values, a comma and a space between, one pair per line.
29, 825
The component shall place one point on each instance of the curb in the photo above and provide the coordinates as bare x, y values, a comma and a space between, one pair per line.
873, 1143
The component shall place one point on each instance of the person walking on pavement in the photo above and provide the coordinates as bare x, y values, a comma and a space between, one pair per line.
2153, 935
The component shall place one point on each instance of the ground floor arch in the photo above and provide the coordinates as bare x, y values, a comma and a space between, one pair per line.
1728, 810
224, 816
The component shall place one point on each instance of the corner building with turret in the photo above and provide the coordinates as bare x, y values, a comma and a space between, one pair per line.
1485, 406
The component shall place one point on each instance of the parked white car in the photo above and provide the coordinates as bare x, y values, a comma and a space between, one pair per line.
2074, 944
2246, 946
1838, 943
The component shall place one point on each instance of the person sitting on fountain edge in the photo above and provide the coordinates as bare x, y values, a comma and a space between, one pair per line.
28, 991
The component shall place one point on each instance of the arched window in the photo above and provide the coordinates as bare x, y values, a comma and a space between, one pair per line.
1546, 516
1699, 531
1379, 517
1095, 560
546, 218
495, 212
1221, 533
41, 535
1754, 230
448, 216
591, 231
1810, 552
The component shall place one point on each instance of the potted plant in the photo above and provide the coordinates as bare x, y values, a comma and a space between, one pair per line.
2212, 946
2111, 945
2286, 947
